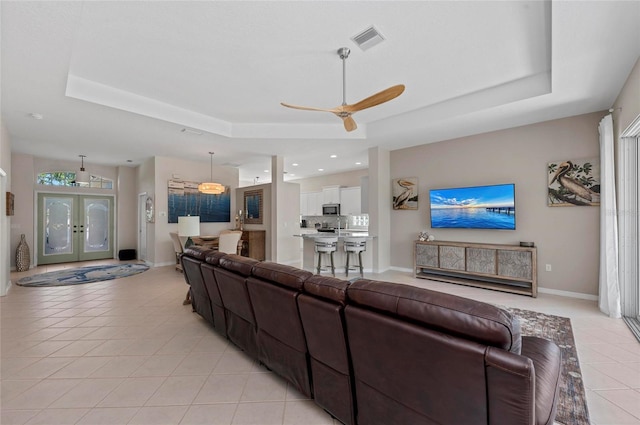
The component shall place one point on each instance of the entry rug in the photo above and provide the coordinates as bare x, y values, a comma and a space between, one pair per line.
572, 401
83, 275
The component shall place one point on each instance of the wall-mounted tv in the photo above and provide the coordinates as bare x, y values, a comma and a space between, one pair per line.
478, 207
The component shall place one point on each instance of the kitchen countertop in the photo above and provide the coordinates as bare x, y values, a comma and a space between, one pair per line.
341, 235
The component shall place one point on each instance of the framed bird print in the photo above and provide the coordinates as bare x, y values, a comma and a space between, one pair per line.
405, 193
573, 182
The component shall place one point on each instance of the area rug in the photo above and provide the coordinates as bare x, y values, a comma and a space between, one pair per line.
83, 275
572, 402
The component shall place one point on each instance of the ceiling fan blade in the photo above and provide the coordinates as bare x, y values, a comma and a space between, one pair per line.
349, 123
378, 98
308, 108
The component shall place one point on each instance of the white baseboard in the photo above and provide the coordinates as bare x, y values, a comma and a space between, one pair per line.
569, 294
558, 292
401, 269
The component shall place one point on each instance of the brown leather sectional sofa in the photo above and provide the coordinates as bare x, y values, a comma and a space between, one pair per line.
372, 352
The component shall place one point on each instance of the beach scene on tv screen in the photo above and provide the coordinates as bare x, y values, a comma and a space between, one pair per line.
480, 207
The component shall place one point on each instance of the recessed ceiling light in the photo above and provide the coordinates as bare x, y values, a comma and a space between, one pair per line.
291, 174
36, 116
358, 163
266, 171
320, 169
333, 156
295, 164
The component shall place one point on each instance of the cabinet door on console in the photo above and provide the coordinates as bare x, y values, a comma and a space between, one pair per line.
426, 255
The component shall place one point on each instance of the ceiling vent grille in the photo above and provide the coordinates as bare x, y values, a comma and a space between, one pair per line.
368, 38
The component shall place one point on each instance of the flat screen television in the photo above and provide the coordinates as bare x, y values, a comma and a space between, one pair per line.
478, 207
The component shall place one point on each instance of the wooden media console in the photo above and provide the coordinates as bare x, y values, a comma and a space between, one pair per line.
508, 268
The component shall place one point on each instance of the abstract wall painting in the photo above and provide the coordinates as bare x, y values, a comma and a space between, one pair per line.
184, 199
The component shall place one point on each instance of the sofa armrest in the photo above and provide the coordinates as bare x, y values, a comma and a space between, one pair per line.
511, 394
547, 361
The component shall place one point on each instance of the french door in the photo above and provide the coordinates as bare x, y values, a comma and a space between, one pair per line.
74, 228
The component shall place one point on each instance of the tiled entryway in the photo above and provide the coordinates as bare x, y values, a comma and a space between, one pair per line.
127, 351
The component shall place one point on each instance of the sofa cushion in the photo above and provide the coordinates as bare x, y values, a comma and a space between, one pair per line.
238, 264
197, 252
328, 288
281, 274
470, 319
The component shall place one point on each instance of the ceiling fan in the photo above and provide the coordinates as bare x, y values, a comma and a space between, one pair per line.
345, 110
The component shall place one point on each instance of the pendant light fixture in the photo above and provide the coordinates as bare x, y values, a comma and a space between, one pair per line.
211, 188
82, 176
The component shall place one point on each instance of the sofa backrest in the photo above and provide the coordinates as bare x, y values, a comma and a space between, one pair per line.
191, 260
231, 275
435, 344
211, 263
274, 289
322, 306
463, 317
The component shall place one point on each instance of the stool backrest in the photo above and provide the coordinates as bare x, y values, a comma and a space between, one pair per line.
326, 244
355, 244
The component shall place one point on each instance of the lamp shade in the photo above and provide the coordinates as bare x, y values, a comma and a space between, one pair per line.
189, 225
211, 188
82, 176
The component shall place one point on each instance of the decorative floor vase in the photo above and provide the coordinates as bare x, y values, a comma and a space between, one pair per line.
23, 257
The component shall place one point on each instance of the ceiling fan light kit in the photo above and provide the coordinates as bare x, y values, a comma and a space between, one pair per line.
345, 111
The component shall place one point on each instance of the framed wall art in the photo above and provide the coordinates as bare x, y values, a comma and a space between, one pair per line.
253, 206
10, 203
405, 193
573, 182
184, 199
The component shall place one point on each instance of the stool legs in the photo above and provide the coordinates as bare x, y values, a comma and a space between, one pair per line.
333, 267
346, 269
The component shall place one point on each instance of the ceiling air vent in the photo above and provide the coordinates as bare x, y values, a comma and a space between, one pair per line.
368, 38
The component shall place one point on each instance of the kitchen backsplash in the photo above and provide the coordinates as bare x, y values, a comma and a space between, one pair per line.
346, 221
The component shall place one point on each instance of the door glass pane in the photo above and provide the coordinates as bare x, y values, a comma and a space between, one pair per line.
57, 233
96, 225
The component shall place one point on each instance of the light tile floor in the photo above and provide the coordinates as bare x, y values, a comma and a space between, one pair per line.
127, 351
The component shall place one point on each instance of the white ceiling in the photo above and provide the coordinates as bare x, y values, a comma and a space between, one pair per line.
119, 80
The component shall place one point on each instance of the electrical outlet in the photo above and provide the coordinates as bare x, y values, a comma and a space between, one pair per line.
547, 267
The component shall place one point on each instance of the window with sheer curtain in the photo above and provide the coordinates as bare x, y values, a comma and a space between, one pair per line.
629, 224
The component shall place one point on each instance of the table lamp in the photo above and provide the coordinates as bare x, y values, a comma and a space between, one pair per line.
188, 226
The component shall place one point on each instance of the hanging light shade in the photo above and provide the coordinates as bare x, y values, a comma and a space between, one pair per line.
211, 188
82, 176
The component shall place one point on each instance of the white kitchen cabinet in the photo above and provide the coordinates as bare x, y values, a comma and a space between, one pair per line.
304, 201
311, 203
331, 195
350, 200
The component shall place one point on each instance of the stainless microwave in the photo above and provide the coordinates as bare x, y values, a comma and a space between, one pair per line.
331, 209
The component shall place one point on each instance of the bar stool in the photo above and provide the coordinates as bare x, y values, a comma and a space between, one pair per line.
326, 245
355, 246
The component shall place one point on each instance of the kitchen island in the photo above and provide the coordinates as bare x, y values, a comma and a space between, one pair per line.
310, 257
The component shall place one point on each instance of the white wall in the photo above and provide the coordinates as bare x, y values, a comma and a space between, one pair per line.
566, 237
627, 105
347, 179
5, 221
127, 210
